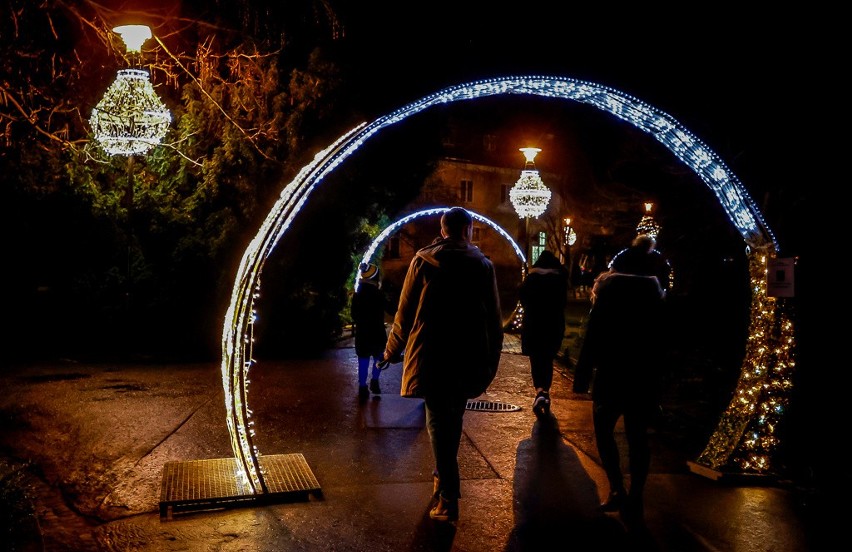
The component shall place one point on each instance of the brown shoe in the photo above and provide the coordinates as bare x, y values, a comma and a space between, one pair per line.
447, 509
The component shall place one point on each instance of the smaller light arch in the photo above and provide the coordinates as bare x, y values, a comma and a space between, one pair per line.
387, 232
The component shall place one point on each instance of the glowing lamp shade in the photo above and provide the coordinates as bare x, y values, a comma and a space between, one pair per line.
130, 119
133, 36
529, 195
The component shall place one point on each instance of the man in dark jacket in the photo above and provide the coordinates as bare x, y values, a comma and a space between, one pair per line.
448, 331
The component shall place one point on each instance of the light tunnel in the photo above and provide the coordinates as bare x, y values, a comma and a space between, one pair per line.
393, 227
745, 426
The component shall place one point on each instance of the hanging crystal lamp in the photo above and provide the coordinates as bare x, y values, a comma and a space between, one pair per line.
529, 195
130, 119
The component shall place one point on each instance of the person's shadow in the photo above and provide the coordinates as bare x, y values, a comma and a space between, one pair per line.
555, 499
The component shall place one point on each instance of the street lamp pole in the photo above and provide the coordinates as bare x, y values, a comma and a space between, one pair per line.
529, 197
567, 241
130, 119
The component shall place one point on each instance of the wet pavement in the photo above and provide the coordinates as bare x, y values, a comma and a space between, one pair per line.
84, 447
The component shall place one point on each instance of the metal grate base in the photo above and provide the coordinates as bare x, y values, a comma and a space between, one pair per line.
490, 406
199, 485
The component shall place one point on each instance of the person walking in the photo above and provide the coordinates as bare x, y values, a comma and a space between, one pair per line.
369, 306
543, 295
621, 359
643, 258
448, 332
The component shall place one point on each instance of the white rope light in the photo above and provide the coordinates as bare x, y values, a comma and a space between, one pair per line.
387, 232
236, 331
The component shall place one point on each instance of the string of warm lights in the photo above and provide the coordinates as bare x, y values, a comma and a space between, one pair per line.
745, 437
647, 225
737, 204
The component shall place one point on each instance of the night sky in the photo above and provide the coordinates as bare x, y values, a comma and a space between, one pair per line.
735, 79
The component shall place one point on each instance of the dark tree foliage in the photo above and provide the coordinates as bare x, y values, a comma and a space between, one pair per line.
135, 256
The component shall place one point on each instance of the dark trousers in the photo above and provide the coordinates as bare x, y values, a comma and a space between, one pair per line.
444, 417
541, 368
637, 419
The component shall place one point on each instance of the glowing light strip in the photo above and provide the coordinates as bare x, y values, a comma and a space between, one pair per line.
236, 333
387, 232
745, 435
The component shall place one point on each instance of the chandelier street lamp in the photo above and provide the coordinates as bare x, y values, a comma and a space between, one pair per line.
647, 224
130, 119
529, 195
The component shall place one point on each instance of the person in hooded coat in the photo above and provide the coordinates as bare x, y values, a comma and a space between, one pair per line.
544, 296
368, 309
621, 358
448, 332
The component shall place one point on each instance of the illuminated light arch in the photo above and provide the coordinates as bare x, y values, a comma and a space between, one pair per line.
387, 232
745, 433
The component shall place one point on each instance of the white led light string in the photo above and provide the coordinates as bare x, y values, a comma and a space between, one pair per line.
236, 336
393, 227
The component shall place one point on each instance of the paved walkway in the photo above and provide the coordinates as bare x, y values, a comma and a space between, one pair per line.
85, 446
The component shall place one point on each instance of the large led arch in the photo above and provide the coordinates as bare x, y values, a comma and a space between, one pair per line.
768, 361
393, 227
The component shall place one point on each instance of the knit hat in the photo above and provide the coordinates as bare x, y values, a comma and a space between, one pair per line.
368, 271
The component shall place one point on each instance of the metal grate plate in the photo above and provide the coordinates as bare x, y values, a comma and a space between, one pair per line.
198, 485
490, 406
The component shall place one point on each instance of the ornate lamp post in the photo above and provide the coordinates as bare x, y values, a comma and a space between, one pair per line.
130, 119
529, 195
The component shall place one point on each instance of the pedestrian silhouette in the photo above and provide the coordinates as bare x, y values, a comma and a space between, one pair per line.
543, 296
620, 358
369, 306
448, 332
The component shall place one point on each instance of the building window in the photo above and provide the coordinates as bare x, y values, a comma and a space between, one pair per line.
466, 191
392, 248
504, 193
476, 232
538, 247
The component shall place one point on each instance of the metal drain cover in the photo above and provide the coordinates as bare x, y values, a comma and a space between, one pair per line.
199, 485
490, 406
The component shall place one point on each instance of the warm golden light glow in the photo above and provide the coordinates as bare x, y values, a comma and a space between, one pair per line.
133, 36
530, 153
745, 437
